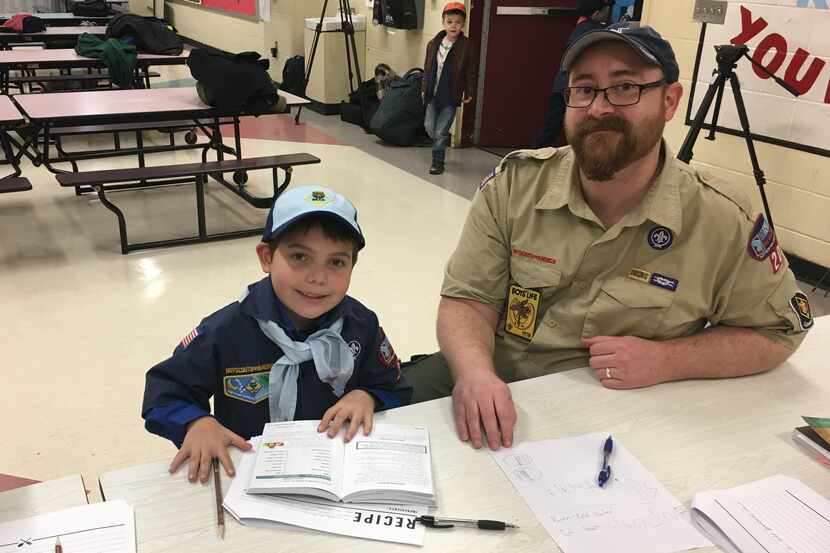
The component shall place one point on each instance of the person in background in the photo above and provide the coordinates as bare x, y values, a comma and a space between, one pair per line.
449, 80
593, 15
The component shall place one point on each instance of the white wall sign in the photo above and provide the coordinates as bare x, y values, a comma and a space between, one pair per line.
791, 38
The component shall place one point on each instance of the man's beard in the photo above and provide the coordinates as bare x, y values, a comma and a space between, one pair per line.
601, 156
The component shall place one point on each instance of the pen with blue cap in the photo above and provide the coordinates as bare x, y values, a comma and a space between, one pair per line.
605, 472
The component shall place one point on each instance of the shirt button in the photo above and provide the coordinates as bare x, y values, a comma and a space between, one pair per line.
551, 322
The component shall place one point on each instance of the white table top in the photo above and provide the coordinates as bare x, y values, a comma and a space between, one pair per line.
693, 436
66, 55
73, 30
8, 111
93, 103
58, 15
44, 497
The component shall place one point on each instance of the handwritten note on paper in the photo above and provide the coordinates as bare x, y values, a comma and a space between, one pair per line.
102, 527
774, 515
632, 513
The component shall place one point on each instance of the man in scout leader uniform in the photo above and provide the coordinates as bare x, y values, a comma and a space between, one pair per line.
608, 253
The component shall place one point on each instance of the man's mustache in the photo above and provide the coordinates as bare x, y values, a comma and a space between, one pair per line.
605, 124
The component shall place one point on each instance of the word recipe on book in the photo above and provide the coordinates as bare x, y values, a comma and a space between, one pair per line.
392, 465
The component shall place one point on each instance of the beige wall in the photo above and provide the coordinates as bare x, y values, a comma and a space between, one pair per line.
797, 183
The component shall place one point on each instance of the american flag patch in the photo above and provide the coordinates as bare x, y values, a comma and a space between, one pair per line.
189, 338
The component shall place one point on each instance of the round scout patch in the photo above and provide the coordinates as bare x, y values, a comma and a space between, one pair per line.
354, 347
660, 238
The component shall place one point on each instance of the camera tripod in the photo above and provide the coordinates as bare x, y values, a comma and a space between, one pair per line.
347, 28
727, 57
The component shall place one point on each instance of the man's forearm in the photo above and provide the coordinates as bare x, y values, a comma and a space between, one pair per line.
466, 334
722, 352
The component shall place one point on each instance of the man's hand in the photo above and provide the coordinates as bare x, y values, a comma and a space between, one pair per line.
358, 406
483, 399
205, 440
624, 362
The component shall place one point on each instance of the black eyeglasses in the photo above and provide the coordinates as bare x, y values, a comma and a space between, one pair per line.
620, 95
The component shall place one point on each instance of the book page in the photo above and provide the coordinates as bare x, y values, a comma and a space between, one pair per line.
293, 455
393, 457
774, 515
392, 523
107, 527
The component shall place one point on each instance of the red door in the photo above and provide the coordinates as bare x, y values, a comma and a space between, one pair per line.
525, 43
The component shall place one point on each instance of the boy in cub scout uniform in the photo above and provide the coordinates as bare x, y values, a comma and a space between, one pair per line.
609, 253
293, 347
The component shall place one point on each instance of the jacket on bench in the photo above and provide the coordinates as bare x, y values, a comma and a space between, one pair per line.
233, 83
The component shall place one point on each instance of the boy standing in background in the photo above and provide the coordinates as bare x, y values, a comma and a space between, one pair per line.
449, 79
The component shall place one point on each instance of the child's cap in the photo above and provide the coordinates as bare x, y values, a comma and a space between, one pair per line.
454, 6
304, 201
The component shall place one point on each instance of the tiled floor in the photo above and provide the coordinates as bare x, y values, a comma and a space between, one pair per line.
82, 323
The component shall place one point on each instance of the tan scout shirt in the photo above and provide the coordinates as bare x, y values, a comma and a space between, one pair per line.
534, 251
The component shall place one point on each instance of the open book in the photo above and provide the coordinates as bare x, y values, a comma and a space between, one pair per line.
392, 465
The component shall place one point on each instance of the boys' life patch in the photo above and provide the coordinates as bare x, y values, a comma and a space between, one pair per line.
522, 309
250, 388
761, 239
801, 307
660, 238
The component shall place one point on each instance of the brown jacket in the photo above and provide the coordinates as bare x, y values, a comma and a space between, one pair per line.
464, 68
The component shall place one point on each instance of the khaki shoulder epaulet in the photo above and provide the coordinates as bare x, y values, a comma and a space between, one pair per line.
728, 190
541, 154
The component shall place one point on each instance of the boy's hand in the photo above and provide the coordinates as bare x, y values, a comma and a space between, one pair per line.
206, 439
467, 99
358, 406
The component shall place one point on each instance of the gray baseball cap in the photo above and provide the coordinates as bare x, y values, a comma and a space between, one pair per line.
644, 40
305, 201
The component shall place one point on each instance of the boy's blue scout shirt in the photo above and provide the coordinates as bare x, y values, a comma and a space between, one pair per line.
230, 359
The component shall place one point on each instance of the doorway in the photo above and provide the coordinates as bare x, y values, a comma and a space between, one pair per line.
522, 42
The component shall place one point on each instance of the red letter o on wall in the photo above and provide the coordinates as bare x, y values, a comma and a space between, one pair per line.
775, 42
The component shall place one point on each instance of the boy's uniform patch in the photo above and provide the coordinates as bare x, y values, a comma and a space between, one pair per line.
776, 258
761, 239
250, 388
522, 309
355, 348
386, 354
655, 279
187, 340
801, 307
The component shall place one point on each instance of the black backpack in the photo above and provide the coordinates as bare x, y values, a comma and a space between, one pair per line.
233, 83
400, 117
91, 8
293, 76
33, 24
152, 36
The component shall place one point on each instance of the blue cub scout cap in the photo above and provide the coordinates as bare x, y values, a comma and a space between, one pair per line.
305, 201
644, 40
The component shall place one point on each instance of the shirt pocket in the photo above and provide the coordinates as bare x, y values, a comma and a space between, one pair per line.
533, 274
626, 307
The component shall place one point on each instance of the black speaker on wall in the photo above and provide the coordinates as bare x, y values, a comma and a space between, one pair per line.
397, 14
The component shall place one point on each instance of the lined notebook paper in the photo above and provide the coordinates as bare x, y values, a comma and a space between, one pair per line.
776, 514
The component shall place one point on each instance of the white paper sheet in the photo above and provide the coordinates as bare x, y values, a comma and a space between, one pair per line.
394, 523
632, 513
107, 527
774, 515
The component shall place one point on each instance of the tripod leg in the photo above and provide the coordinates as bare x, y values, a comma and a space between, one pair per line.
317, 32
760, 179
685, 153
